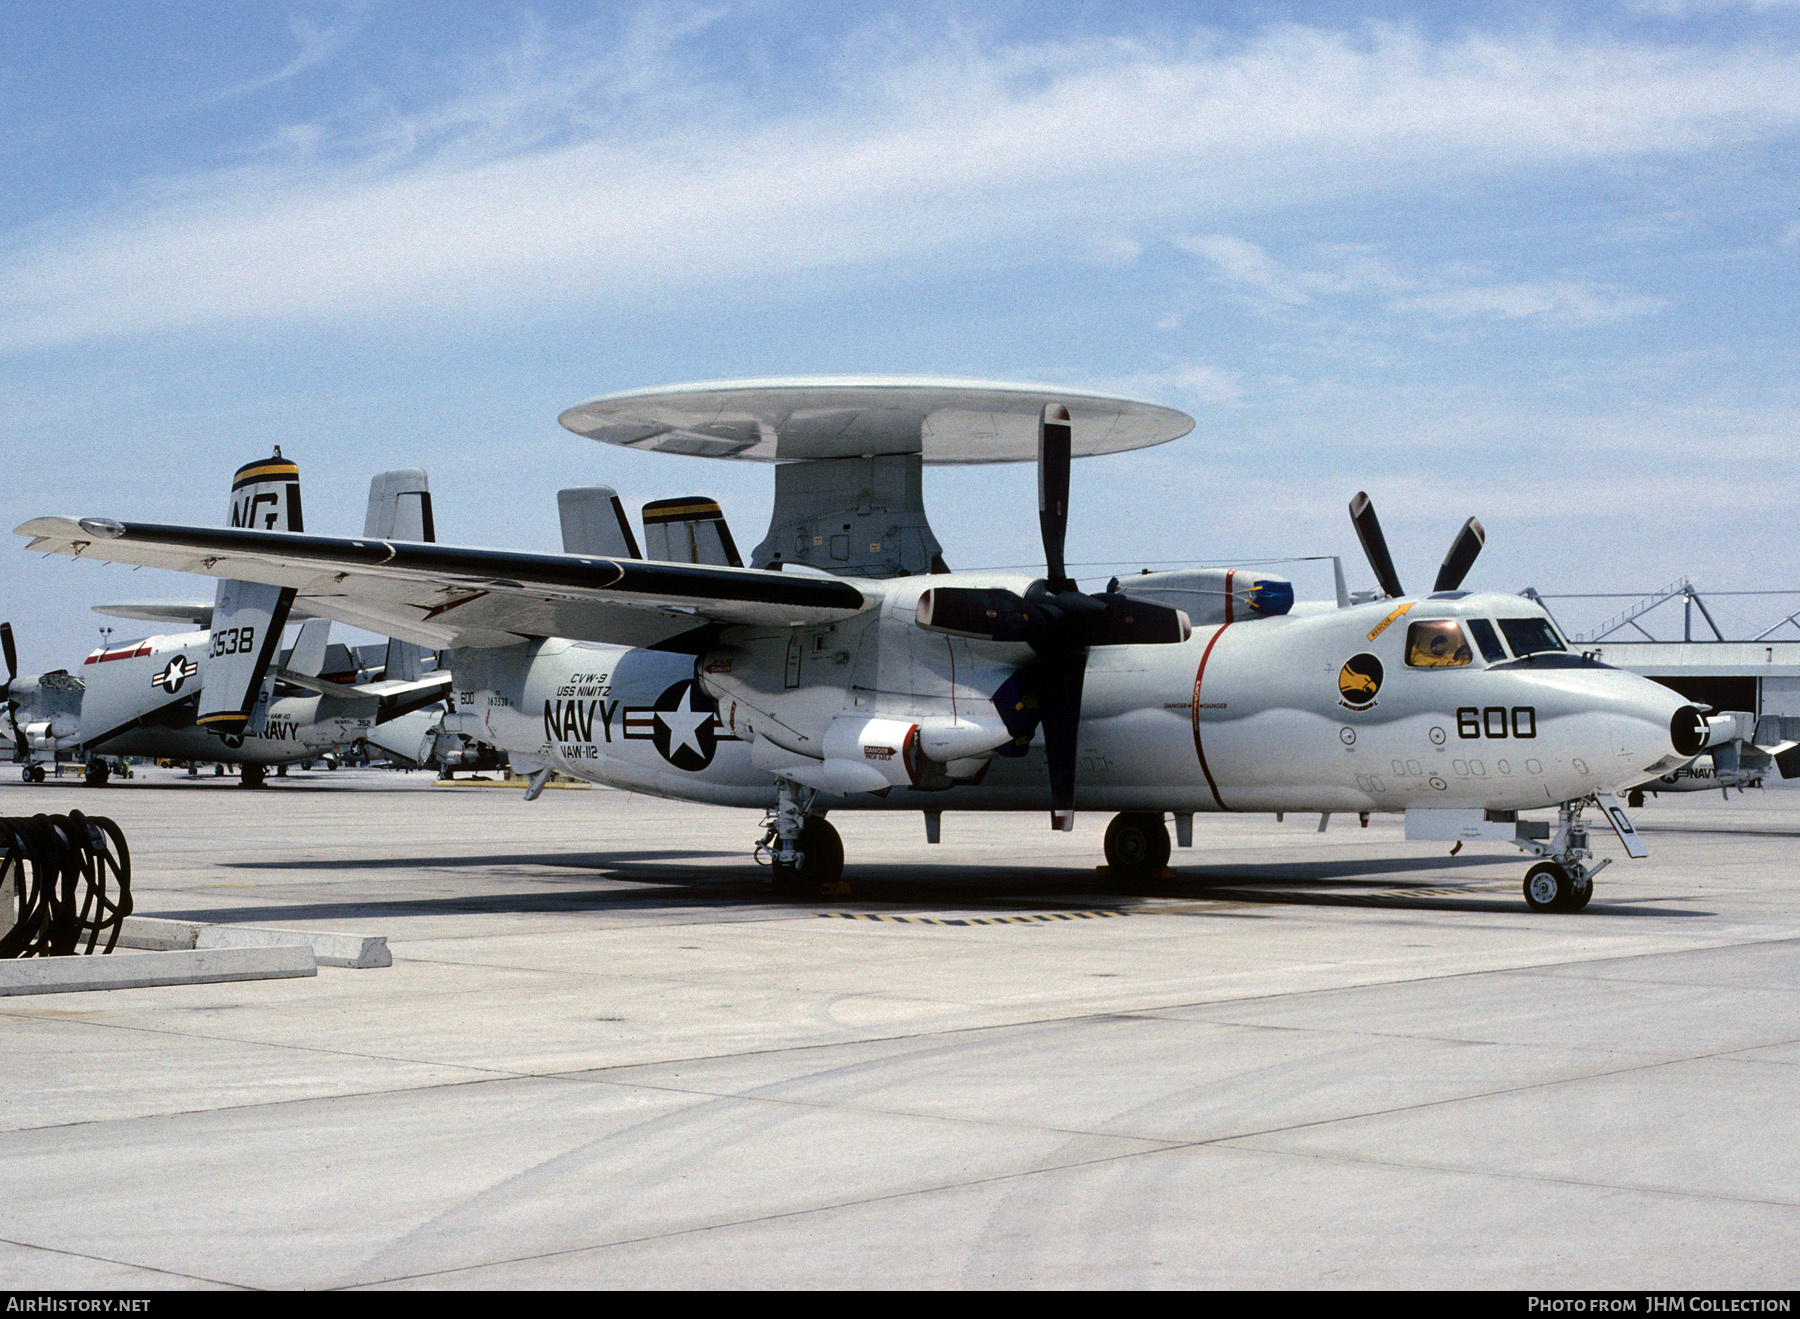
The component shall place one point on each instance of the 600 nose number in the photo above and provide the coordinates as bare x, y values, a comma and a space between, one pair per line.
1496, 721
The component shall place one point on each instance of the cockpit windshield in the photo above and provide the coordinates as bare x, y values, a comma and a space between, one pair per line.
1437, 644
1529, 636
1488, 639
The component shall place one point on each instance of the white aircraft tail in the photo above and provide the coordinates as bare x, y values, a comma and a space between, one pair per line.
400, 506
248, 617
307, 658
594, 522
689, 530
400, 509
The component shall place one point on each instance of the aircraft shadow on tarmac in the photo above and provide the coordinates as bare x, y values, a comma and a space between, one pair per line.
651, 880
563, 860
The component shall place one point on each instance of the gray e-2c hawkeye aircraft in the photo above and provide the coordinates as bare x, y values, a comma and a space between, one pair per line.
848, 668
146, 697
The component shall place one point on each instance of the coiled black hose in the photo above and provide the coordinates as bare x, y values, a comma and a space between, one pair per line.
70, 879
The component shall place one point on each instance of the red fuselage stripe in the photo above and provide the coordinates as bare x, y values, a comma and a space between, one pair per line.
1199, 676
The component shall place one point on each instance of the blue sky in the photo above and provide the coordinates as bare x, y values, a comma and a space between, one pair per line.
1536, 264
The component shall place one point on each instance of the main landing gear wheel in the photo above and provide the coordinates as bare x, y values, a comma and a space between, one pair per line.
251, 776
821, 862
33, 774
1137, 845
97, 773
1549, 887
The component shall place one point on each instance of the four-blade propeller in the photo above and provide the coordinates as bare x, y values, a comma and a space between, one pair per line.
1057, 620
1456, 564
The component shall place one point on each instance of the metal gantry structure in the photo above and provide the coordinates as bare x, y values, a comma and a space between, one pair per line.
1682, 590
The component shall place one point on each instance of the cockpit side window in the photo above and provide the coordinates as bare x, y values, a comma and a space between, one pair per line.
1528, 636
1488, 639
1437, 644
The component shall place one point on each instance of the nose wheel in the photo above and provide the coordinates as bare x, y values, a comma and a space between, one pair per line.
1549, 886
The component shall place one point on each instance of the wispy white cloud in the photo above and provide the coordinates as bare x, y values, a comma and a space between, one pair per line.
1569, 302
1448, 293
1186, 382
555, 176
315, 44
1704, 8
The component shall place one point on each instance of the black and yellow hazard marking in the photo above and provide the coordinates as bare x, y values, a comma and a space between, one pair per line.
1216, 900
269, 469
1041, 918
680, 510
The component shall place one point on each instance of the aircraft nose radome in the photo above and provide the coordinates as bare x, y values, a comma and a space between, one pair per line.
1687, 731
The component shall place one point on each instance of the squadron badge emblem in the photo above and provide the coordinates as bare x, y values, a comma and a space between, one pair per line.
1359, 680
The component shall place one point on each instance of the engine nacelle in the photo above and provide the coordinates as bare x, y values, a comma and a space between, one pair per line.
865, 754
1211, 596
887, 748
56, 734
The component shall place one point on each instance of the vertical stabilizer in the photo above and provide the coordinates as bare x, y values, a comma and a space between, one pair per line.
689, 530
248, 617
594, 522
400, 509
307, 658
400, 506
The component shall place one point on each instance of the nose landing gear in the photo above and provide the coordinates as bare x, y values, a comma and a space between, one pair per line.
1563, 880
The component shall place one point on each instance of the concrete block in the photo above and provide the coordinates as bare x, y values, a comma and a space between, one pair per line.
359, 951
157, 933
68, 975
353, 950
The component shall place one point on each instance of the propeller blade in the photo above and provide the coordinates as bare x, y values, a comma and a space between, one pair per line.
1054, 453
1461, 558
1368, 531
1046, 693
12, 653
1059, 706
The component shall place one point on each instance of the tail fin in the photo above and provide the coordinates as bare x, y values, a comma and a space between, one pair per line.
689, 530
400, 509
308, 655
400, 506
594, 522
248, 617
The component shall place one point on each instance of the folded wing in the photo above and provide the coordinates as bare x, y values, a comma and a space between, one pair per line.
447, 596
